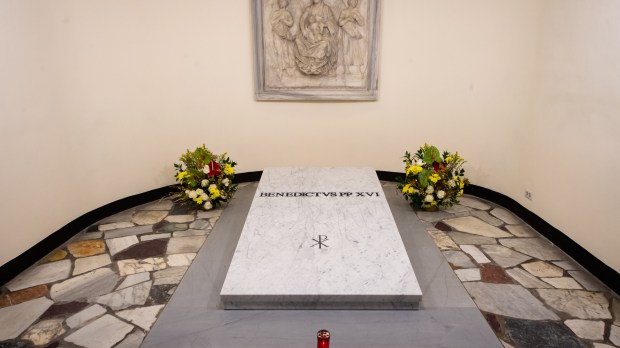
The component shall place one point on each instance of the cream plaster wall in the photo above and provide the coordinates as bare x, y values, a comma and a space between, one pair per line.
100, 97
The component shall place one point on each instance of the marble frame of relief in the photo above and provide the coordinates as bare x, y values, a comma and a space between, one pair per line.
316, 49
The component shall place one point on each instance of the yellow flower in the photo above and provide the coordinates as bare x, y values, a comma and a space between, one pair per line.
215, 193
406, 188
228, 169
449, 159
198, 200
411, 190
434, 178
461, 185
181, 175
460, 193
414, 170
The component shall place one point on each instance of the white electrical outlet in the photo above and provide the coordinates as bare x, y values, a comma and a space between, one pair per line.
528, 194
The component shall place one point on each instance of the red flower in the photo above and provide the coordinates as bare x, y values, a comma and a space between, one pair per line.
214, 169
438, 166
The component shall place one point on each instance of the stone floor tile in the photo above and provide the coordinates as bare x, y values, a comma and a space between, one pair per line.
182, 245
115, 226
131, 231
587, 329
494, 274
508, 300
15, 319
458, 259
495, 322
146, 237
523, 231
526, 279
486, 217
132, 266
468, 274
506, 344
213, 220
578, 304
88, 236
541, 334
475, 253
144, 250
535, 247
172, 275
27, 294
90, 263
503, 256
86, 248
443, 241
18, 344
123, 216
431, 216
127, 297
44, 332
117, 245
456, 209
586, 280
442, 227
468, 238
165, 226
473, 202
616, 310
190, 233
160, 294
563, 283
567, 265
176, 260
84, 316
143, 317
104, 332
164, 204
182, 209
93, 283
133, 340
200, 224
179, 219
134, 279
602, 345
476, 226
614, 335
543, 269
4, 301
505, 216
63, 309
148, 217
56, 255
43, 274
202, 214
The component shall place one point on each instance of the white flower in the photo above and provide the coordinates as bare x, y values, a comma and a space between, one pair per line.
429, 198
192, 194
223, 196
204, 196
226, 182
199, 191
419, 162
208, 205
212, 187
430, 189
441, 194
187, 192
451, 183
206, 169
204, 183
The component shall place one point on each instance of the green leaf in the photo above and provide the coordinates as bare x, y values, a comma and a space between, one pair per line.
432, 155
423, 177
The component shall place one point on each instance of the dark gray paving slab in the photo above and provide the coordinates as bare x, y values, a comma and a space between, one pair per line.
194, 316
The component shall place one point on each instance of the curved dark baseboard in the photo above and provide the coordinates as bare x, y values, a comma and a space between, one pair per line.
604, 273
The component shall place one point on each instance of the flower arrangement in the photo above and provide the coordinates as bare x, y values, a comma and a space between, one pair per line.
205, 179
432, 179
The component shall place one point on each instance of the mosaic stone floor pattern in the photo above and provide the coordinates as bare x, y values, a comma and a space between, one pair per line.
107, 286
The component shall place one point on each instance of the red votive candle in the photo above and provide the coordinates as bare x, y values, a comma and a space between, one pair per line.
322, 339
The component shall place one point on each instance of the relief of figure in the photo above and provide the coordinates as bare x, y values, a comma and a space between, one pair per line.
354, 52
316, 42
281, 23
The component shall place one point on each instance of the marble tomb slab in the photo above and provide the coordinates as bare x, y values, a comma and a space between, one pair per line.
320, 238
